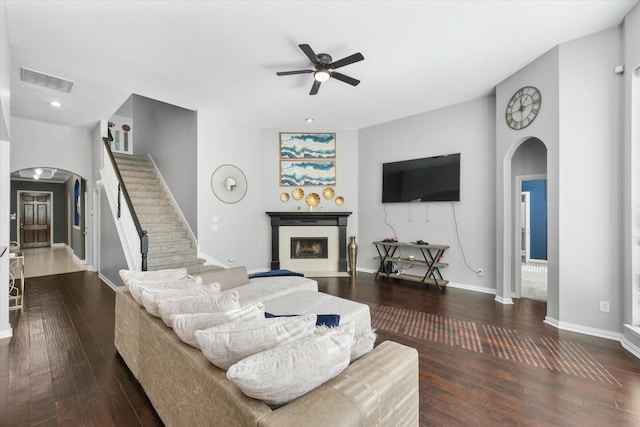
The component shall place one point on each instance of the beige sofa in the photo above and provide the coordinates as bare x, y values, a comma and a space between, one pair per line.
381, 388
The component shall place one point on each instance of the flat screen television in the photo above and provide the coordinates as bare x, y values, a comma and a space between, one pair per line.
430, 179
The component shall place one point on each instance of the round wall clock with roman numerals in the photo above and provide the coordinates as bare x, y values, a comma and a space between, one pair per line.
523, 107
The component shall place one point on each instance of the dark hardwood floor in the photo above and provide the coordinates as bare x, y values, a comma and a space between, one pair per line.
481, 363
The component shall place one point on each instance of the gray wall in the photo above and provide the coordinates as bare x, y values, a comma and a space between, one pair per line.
112, 258
467, 128
77, 242
168, 133
543, 74
59, 202
590, 157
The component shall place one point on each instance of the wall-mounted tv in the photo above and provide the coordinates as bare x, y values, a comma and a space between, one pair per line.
430, 179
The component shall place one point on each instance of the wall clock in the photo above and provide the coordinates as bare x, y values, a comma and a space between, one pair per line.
523, 107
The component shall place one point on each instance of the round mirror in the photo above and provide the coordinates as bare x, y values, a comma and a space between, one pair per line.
229, 184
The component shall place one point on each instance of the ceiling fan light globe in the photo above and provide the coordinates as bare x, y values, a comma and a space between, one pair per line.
321, 76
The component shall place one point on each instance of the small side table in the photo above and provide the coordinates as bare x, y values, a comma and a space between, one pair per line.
16, 280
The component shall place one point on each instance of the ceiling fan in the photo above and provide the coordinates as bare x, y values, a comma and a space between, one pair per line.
323, 65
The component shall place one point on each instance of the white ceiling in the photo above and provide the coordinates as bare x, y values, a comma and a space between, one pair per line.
222, 56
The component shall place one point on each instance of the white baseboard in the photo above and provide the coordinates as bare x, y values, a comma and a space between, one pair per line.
630, 347
58, 245
473, 288
6, 333
209, 260
78, 260
504, 300
107, 281
585, 330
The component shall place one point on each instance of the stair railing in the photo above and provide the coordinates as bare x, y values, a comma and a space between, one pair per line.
135, 241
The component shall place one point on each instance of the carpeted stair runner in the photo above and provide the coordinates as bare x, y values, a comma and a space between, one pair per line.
170, 244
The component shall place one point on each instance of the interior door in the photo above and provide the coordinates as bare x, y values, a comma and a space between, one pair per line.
525, 224
35, 220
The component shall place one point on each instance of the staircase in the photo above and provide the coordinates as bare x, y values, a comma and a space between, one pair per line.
170, 243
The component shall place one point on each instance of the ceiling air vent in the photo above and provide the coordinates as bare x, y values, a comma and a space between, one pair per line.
46, 80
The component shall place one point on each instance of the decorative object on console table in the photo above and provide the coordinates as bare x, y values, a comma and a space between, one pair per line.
353, 255
391, 265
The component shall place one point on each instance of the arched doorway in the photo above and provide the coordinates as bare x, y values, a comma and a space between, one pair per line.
48, 219
529, 213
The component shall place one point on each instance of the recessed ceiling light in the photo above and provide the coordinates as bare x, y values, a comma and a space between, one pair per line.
56, 104
309, 120
38, 171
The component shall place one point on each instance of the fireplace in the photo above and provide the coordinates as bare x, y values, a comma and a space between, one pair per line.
309, 247
309, 242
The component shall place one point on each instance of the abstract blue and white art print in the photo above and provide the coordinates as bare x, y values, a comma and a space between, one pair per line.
300, 173
307, 146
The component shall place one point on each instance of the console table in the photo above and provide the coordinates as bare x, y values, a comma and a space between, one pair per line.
428, 256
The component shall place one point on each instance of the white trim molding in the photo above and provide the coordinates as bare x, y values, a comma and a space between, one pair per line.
503, 300
585, 330
7, 333
106, 280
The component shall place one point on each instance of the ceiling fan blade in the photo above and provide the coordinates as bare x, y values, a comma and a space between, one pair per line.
346, 79
315, 87
346, 61
288, 73
309, 52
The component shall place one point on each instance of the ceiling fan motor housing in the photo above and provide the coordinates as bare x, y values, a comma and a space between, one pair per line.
324, 60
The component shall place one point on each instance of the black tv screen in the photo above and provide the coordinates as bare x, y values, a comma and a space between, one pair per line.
430, 179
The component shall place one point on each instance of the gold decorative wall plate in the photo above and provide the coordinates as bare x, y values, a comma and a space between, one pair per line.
298, 193
313, 199
328, 193
284, 197
339, 200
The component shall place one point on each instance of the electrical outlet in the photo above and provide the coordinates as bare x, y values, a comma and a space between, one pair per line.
604, 306
481, 272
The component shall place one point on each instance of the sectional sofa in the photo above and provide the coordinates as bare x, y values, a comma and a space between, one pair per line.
380, 388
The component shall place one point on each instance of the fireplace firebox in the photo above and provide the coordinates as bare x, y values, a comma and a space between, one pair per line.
309, 247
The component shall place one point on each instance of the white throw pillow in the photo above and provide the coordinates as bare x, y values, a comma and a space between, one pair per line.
185, 325
197, 304
286, 372
151, 296
227, 344
363, 341
135, 286
166, 274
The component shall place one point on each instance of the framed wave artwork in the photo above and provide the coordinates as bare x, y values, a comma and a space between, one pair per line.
307, 159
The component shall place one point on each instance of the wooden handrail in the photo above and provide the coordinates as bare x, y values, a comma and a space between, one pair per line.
122, 189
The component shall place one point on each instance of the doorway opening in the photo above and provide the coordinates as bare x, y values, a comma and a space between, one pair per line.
530, 230
42, 222
533, 238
